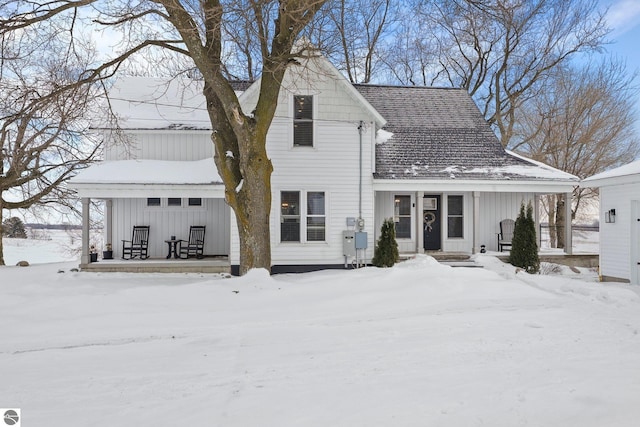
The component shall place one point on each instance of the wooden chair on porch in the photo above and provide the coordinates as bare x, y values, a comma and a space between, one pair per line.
195, 245
138, 245
506, 233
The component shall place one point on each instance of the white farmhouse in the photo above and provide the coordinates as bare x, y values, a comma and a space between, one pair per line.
345, 158
619, 222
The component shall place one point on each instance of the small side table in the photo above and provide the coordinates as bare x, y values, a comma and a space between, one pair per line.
173, 247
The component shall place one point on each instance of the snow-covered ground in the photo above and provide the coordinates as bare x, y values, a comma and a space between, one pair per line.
420, 344
43, 246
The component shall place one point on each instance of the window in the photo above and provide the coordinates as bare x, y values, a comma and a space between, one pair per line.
174, 201
294, 222
315, 217
153, 201
402, 216
290, 216
303, 121
454, 216
195, 201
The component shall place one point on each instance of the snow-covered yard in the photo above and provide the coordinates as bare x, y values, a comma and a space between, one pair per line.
420, 344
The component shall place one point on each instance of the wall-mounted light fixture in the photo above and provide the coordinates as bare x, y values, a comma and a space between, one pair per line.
610, 216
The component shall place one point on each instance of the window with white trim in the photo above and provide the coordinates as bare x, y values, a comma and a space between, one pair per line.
296, 227
290, 216
402, 216
174, 202
315, 216
303, 121
153, 201
455, 216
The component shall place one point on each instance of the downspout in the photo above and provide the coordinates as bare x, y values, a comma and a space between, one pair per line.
360, 129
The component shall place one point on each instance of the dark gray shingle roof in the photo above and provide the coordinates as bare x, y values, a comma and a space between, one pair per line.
439, 133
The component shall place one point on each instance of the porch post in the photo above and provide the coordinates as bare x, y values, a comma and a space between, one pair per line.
568, 237
108, 219
536, 212
476, 222
84, 258
419, 222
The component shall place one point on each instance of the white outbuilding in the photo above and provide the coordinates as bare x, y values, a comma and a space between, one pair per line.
619, 222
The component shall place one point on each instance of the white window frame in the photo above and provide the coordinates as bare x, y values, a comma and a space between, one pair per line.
304, 215
314, 110
397, 216
184, 204
462, 216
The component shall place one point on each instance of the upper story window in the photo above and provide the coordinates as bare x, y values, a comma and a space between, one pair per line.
303, 121
153, 201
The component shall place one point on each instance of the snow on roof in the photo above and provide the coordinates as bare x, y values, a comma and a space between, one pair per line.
160, 103
154, 103
632, 168
537, 169
150, 172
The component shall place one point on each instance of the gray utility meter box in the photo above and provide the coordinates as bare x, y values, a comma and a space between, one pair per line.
353, 240
349, 243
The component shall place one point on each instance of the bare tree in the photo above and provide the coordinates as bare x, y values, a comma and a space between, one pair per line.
501, 51
43, 130
361, 25
582, 123
195, 29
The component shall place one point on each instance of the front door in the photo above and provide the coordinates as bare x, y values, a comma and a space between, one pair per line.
431, 223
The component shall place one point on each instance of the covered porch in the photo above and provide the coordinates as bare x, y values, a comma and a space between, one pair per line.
460, 216
168, 197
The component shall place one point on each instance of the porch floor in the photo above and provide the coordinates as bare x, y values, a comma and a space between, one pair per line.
160, 265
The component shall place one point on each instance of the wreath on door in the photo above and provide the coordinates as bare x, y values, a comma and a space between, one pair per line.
429, 218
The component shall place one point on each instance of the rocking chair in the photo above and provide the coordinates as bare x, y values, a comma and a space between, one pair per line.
195, 245
138, 245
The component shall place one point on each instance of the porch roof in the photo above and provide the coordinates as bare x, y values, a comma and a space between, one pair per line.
149, 178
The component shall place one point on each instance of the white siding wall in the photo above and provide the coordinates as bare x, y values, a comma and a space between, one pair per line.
494, 207
180, 145
384, 210
167, 222
616, 238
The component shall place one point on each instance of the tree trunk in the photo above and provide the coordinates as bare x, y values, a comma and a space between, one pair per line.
242, 161
560, 220
252, 208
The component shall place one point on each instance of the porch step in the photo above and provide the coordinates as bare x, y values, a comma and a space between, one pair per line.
453, 259
159, 266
